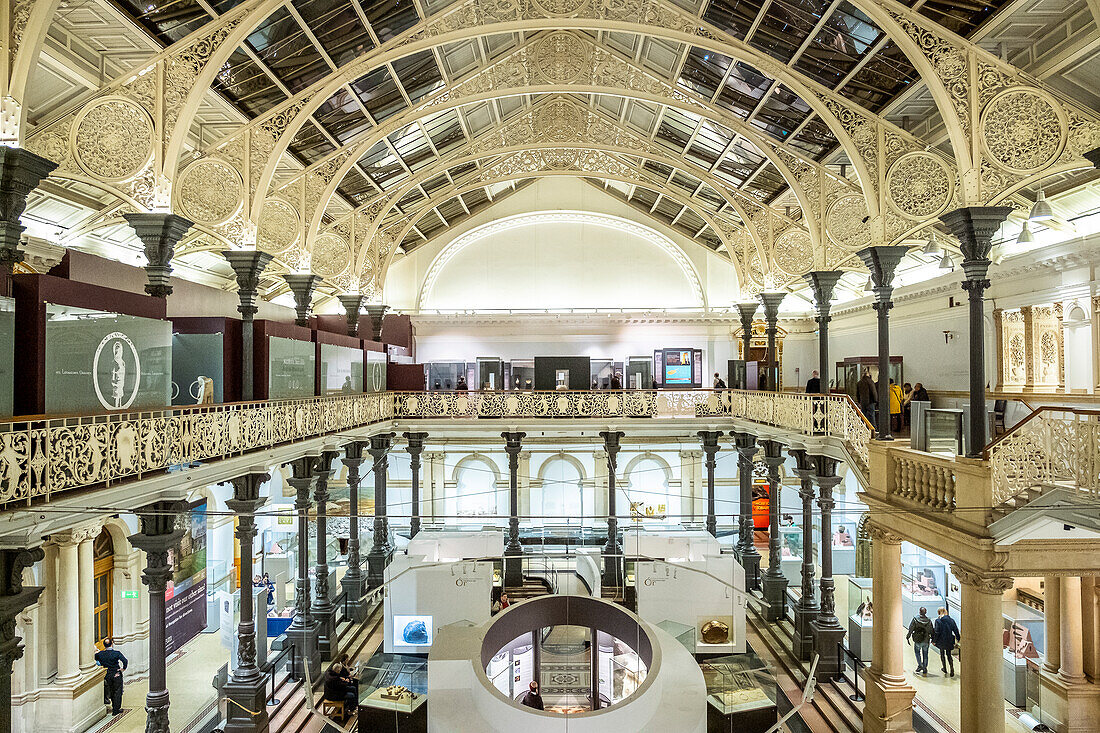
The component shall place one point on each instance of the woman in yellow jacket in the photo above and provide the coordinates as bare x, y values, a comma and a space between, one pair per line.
896, 399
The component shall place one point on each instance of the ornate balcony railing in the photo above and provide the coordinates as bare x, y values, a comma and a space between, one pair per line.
922, 478
44, 456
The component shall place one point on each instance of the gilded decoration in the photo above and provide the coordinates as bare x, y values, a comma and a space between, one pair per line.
331, 255
113, 139
794, 253
279, 227
210, 192
1022, 130
846, 222
920, 185
561, 57
1013, 349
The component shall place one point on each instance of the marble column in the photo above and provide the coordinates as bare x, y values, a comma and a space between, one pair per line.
353, 304
807, 609
889, 698
745, 550
157, 538
68, 607
14, 598
709, 440
354, 582
414, 447
322, 610
381, 550
47, 664
377, 314
303, 630
86, 572
301, 287
248, 265
771, 302
613, 548
827, 631
882, 261
822, 283
1052, 622
1069, 611
513, 551
774, 583
981, 663
246, 711
159, 234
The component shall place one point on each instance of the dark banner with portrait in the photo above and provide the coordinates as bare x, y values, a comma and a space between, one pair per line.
185, 598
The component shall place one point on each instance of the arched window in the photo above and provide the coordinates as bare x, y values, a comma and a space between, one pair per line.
472, 498
648, 490
561, 496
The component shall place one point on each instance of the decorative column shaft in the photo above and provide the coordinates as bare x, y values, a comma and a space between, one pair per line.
827, 630
513, 551
381, 551
974, 227
771, 303
159, 233
889, 704
248, 265
710, 449
247, 711
746, 311
612, 549
882, 262
301, 287
20, 173
822, 283
982, 662
157, 538
14, 598
774, 582
322, 602
353, 303
415, 447
1072, 669
68, 607
745, 550
806, 610
377, 313
354, 582
303, 630
1052, 612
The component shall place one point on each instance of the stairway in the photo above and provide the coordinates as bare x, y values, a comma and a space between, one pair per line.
1018, 501
532, 587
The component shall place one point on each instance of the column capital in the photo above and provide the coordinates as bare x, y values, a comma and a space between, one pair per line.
377, 314
747, 311
974, 227
883, 535
353, 452
882, 261
380, 444
773, 452
709, 440
513, 442
159, 234
771, 302
352, 303
248, 265
415, 442
990, 584
822, 283
745, 443
247, 486
20, 173
301, 287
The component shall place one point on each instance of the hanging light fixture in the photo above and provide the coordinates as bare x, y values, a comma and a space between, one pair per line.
870, 286
946, 263
932, 247
1026, 237
1041, 211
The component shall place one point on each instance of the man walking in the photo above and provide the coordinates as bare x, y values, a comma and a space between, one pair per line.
866, 395
920, 631
115, 663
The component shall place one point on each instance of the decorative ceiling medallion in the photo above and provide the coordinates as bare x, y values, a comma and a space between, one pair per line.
1022, 130
210, 192
561, 8
559, 121
920, 185
846, 222
794, 253
278, 228
561, 57
331, 255
113, 139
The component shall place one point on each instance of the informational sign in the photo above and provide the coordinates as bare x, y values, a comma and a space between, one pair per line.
133, 594
98, 361
290, 368
376, 372
341, 370
197, 368
185, 613
678, 366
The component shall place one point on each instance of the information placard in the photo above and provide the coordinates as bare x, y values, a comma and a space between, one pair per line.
290, 368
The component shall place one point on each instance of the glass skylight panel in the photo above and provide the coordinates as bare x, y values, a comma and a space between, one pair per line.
388, 18
733, 16
419, 75
310, 145
687, 184
884, 76
342, 117
782, 112
379, 94
815, 138
690, 221
281, 43
501, 43
703, 71
355, 188
743, 89
451, 210
769, 181
170, 20
338, 28
445, 131
785, 25
246, 84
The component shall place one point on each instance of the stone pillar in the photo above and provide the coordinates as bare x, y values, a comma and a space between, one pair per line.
303, 630
48, 638
771, 303
20, 173
159, 233
381, 551
981, 662
157, 538
86, 573
353, 303
414, 448
745, 551
322, 610
974, 227
14, 598
709, 439
354, 582
1052, 622
612, 549
882, 261
301, 287
746, 311
822, 283
246, 711
248, 265
377, 313
68, 607
513, 551
827, 631
889, 704
1072, 669
806, 610
774, 582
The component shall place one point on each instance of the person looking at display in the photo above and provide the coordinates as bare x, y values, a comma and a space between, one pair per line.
461, 386
532, 698
865, 395
813, 384
945, 632
718, 383
616, 381
895, 406
920, 632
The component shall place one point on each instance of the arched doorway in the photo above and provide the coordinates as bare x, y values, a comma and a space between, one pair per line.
103, 550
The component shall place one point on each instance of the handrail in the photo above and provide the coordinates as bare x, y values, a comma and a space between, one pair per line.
1034, 414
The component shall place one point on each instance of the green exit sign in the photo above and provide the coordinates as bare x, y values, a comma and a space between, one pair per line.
129, 594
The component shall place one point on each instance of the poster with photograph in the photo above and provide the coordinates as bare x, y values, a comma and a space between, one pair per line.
678, 366
185, 597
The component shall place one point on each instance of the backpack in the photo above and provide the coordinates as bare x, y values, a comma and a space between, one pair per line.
921, 630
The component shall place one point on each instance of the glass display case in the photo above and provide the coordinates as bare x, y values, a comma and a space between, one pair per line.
943, 431
522, 375
860, 617
639, 372
844, 548
393, 690
923, 584
1023, 643
790, 548
741, 694
444, 375
490, 373
680, 632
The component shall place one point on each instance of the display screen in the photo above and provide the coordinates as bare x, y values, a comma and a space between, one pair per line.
412, 630
678, 363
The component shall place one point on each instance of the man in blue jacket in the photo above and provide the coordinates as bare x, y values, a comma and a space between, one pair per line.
945, 632
114, 662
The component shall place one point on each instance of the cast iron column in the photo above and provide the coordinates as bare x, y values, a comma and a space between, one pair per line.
709, 439
974, 227
882, 261
822, 283
157, 538
771, 303
248, 265
301, 287
774, 582
322, 603
746, 311
352, 303
246, 691
806, 610
376, 313
513, 551
20, 173
303, 629
381, 551
827, 631
612, 549
159, 233
745, 551
14, 597
354, 582
415, 447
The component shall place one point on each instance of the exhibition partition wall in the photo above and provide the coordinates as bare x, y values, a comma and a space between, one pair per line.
206, 349
284, 361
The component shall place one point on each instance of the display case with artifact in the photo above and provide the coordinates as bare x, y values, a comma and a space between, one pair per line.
860, 617
844, 548
923, 584
393, 694
741, 693
1023, 643
790, 553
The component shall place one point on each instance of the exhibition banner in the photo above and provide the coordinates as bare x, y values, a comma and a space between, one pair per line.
341, 370
290, 368
185, 598
376, 372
